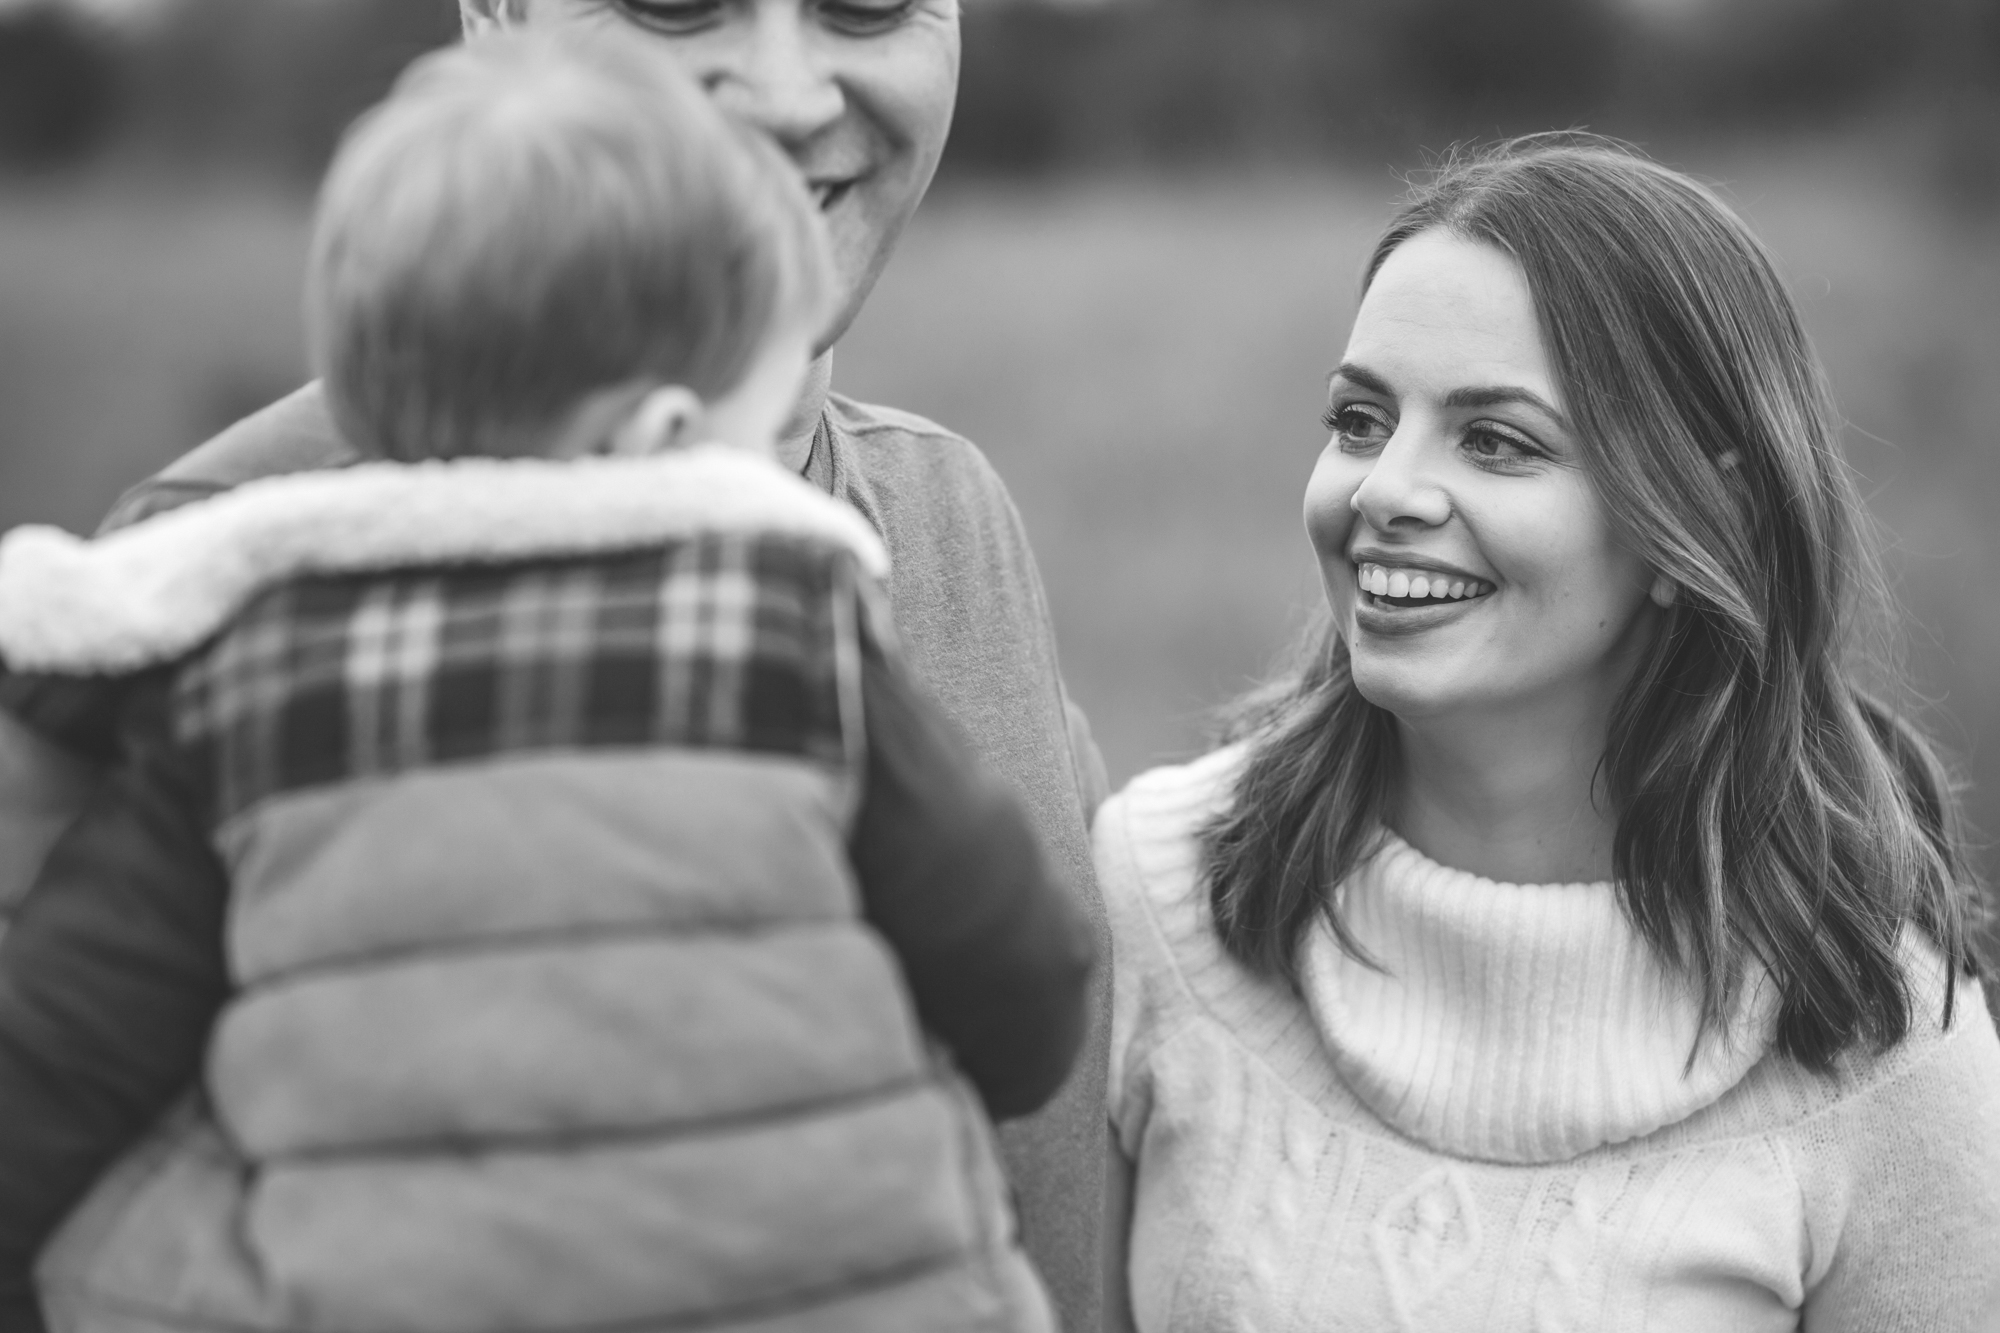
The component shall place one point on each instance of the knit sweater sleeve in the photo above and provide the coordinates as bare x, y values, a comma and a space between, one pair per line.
1906, 1233
1147, 868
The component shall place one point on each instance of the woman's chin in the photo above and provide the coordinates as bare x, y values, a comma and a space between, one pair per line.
1393, 688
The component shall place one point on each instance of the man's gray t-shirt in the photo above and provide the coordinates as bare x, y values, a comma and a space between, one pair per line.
974, 623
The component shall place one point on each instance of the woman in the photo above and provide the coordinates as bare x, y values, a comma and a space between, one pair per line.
1569, 944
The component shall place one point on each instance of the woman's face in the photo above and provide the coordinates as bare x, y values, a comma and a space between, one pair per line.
1468, 561
858, 93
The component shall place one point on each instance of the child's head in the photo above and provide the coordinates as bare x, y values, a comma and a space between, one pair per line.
556, 244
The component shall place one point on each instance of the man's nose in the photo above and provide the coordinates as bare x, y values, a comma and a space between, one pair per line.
774, 78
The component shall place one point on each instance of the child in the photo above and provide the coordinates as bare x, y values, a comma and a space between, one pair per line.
528, 846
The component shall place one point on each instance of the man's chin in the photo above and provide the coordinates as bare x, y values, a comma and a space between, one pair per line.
853, 296
864, 241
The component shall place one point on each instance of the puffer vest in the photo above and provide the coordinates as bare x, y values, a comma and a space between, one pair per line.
554, 1007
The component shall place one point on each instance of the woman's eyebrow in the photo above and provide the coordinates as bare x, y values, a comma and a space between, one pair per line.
1488, 396
1470, 396
1361, 376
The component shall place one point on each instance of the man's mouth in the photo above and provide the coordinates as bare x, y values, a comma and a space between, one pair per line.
1389, 586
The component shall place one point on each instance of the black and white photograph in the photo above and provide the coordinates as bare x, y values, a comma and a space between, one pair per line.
999, 666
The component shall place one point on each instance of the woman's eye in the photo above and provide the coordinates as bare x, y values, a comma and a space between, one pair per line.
1357, 425
862, 18
672, 16
1488, 445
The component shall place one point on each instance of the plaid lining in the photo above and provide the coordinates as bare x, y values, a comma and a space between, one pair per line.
720, 641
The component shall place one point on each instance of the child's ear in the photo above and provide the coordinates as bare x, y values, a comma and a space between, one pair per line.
666, 418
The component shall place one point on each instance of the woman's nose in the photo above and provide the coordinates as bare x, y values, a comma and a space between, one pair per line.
1399, 490
772, 77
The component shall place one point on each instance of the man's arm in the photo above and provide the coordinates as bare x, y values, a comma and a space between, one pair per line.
1093, 784
44, 780
1119, 1174
294, 434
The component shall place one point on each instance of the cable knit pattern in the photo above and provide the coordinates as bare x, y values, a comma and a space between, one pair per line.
1514, 1022
1497, 1135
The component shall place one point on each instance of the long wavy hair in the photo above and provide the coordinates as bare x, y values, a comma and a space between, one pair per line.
1767, 807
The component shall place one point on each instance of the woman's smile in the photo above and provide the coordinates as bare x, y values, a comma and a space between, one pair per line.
1394, 599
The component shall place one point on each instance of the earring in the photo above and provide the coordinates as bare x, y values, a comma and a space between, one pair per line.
1663, 592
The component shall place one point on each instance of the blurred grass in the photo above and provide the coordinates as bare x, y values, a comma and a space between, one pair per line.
135, 320
1143, 361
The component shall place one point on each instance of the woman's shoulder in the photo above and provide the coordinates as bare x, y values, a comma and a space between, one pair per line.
1898, 1165
1948, 1063
1147, 843
1171, 972
1876, 1100
1181, 796
1148, 834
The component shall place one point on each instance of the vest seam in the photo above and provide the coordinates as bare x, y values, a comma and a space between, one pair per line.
557, 1141
533, 940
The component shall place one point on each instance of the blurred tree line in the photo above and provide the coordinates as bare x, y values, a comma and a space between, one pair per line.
1161, 81
266, 85
1053, 87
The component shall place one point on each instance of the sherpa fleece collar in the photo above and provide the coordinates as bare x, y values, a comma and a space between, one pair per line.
153, 592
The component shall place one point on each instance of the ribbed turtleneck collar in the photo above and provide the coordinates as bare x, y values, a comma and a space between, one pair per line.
1514, 1022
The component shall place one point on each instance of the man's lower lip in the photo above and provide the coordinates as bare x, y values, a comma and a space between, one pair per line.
1409, 620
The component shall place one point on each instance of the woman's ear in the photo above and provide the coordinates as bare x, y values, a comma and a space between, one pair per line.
1664, 591
666, 418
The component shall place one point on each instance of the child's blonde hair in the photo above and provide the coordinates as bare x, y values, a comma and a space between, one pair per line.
534, 216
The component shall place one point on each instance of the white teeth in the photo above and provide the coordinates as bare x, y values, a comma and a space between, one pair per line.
1380, 582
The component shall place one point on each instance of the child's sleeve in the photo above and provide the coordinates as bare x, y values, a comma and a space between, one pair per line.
110, 978
996, 954
54, 740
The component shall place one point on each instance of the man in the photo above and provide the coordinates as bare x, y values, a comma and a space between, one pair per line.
859, 95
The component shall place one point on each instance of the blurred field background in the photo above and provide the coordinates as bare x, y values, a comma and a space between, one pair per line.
1128, 286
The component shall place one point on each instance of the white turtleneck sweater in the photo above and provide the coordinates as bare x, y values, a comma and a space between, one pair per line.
1500, 1130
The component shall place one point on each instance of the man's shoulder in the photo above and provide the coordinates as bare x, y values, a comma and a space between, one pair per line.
294, 434
891, 426
888, 445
